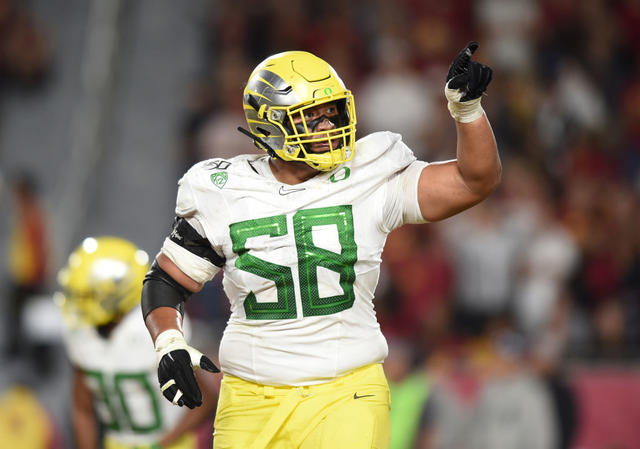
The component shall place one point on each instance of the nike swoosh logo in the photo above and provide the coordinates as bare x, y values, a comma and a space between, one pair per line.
355, 396
285, 191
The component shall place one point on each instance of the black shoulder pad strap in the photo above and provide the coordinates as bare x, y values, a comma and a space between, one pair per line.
161, 290
184, 235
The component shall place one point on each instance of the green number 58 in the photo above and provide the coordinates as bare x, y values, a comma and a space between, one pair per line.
310, 257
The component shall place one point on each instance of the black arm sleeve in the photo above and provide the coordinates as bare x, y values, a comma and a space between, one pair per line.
184, 235
161, 290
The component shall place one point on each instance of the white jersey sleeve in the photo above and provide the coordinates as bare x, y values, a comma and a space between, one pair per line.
401, 204
197, 268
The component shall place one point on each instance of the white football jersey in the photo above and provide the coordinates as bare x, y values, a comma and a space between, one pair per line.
121, 373
302, 261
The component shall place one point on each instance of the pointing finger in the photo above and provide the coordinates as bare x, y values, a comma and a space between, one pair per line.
471, 48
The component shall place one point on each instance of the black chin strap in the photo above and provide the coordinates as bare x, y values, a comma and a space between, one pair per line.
257, 141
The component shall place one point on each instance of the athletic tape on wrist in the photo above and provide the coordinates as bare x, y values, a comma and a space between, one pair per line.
169, 340
463, 111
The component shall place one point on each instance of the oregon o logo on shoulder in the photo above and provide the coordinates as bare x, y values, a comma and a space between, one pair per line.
340, 175
219, 179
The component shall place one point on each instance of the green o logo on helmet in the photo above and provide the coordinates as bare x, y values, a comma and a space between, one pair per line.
328, 91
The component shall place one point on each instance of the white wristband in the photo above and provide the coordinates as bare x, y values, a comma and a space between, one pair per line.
463, 111
172, 339
168, 341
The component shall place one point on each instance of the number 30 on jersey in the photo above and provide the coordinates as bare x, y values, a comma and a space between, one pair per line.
310, 257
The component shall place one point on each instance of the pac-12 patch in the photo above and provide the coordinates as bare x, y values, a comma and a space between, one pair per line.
219, 179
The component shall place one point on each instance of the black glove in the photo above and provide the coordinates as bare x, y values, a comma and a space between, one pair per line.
176, 368
469, 77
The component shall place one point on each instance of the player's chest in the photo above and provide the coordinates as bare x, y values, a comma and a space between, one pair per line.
287, 235
285, 223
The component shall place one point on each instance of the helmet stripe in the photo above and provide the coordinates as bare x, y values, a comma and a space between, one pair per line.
259, 95
267, 83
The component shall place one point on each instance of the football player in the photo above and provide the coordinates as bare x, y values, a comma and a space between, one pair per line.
115, 392
299, 233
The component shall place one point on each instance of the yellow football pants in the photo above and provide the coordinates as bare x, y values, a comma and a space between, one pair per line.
187, 441
351, 412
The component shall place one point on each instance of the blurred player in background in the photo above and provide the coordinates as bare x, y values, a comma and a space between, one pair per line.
299, 233
27, 261
115, 393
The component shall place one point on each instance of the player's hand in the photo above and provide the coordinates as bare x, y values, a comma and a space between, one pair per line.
176, 364
470, 77
467, 80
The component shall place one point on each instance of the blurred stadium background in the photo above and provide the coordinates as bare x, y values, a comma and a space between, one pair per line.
516, 324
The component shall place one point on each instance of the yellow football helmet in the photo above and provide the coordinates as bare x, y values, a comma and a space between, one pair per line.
280, 90
102, 281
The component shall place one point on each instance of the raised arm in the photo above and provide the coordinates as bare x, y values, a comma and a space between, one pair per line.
446, 188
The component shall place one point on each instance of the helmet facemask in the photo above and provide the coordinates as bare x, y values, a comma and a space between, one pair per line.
302, 135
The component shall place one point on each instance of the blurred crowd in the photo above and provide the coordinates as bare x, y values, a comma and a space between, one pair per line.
492, 303
25, 56
489, 307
